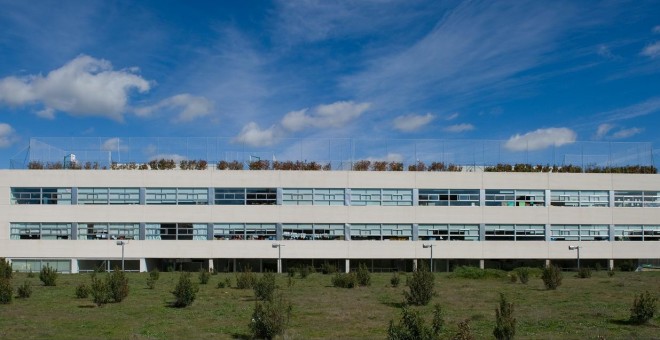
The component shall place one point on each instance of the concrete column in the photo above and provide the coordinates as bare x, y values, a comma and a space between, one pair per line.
610, 264
347, 197
547, 198
74, 196
547, 233
279, 196
414, 265
209, 231
211, 267
611, 202
482, 232
415, 193
611, 233
415, 232
211, 194
74, 266
482, 197
74, 231
348, 265
482, 264
143, 231
143, 265
547, 263
347, 232
143, 196
278, 231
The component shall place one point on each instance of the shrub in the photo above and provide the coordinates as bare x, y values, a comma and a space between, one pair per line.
82, 291
100, 291
523, 274
264, 288
551, 277
6, 291
154, 274
421, 287
245, 279
48, 275
467, 272
25, 290
505, 323
513, 277
584, 273
610, 273
438, 319
30, 274
627, 266
221, 284
643, 308
185, 291
291, 271
344, 280
363, 275
362, 165
464, 331
328, 268
204, 276
304, 271
5, 269
395, 279
117, 285
270, 318
151, 283
412, 326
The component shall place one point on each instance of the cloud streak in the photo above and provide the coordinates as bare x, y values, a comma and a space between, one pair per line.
7, 135
191, 107
541, 139
412, 122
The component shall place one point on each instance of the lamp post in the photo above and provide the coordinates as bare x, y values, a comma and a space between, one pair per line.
578, 254
429, 246
122, 244
279, 256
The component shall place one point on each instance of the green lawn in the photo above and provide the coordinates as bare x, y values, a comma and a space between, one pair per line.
578, 309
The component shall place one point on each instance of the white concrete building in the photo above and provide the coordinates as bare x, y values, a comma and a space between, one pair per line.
72, 219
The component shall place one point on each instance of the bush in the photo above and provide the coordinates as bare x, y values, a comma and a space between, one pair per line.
30, 274
643, 308
204, 276
291, 271
328, 268
464, 331
25, 290
467, 272
270, 318
363, 275
5, 269
117, 285
412, 326
48, 275
6, 291
100, 291
395, 279
82, 291
523, 274
421, 287
185, 291
505, 323
610, 273
304, 271
154, 274
264, 288
627, 266
551, 277
513, 277
584, 273
245, 279
344, 280
151, 283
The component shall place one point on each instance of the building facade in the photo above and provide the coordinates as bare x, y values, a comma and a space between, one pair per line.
74, 220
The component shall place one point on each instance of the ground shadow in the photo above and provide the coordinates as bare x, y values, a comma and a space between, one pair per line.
623, 322
87, 306
395, 304
241, 336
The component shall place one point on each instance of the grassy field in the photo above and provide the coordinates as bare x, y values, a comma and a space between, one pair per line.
578, 309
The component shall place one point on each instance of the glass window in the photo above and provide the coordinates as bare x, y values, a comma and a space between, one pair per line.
260, 231
637, 232
649, 199
229, 231
35, 265
362, 197
260, 196
385, 197
298, 196
400, 197
510, 198
40, 231
397, 232
108, 196
230, 196
329, 196
41, 196
160, 196
579, 198
180, 196
176, 231
449, 197
365, 232
514, 232
584, 232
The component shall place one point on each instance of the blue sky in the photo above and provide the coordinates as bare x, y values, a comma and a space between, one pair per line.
536, 73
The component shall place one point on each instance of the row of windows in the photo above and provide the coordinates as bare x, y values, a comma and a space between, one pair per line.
357, 197
268, 231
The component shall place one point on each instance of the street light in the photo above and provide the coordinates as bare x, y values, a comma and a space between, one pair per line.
429, 246
578, 254
122, 244
279, 256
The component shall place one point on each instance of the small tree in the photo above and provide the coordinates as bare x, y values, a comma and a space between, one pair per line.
421, 287
438, 319
411, 327
100, 291
82, 291
505, 323
185, 291
48, 275
344, 280
395, 279
6, 291
523, 274
265, 287
245, 279
25, 290
584, 273
643, 308
464, 331
551, 277
5, 269
270, 318
204, 276
363, 275
117, 285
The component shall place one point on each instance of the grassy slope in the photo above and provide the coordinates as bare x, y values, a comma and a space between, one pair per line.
580, 308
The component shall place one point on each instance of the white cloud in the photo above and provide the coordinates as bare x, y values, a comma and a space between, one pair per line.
605, 52
656, 29
459, 128
85, 86
652, 50
644, 108
332, 115
541, 139
114, 144
452, 116
412, 122
603, 129
625, 133
192, 107
47, 113
7, 136
253, 135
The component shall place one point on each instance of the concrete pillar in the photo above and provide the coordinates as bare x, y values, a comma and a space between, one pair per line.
74, 266
143, 265
348, 265
211, 267
482, 264
415, 265
610, 264
547, 263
